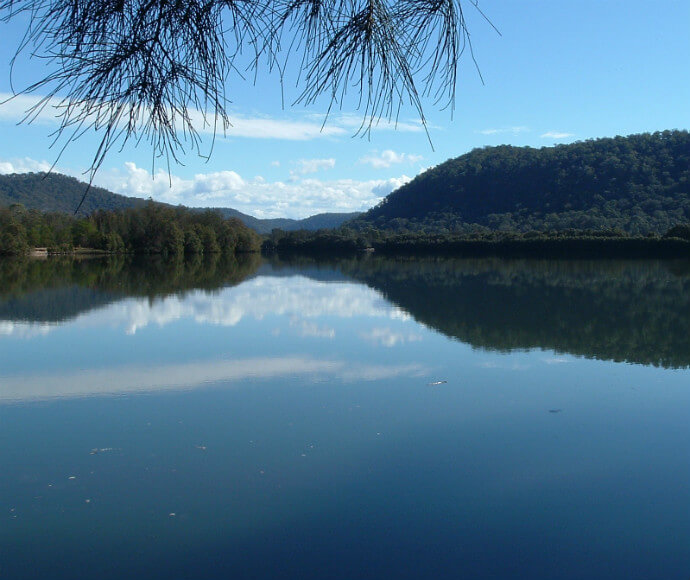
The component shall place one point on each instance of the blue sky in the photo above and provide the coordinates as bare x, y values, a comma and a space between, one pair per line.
559, 72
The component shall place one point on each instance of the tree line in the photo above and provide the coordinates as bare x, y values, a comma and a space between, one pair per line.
675, 242
151, 229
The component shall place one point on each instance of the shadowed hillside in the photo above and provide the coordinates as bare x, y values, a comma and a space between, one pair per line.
639, 184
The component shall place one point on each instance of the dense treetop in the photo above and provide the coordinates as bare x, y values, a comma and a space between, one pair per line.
639, 183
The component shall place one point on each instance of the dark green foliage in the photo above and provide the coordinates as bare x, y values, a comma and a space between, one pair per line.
570, 243
152, 229
53, 192
639, 184
321, 242
681, 231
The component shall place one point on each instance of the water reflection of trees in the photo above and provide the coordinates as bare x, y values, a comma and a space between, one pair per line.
633, 311
58, 289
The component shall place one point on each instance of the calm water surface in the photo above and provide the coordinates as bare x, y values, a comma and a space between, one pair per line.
361, 419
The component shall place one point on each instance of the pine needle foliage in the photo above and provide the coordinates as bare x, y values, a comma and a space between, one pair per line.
159, 71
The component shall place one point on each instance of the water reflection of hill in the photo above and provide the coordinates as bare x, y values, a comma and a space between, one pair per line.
60, 289
633, 311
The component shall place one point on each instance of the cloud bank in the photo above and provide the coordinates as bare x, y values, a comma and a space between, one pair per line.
297, 198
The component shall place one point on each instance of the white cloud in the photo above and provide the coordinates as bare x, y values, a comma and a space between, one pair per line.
503, 130
24, 165
386, 186
312, 126
353, 122
313, 165
556, 135
387, 158
298, 198
14, 108
266, 128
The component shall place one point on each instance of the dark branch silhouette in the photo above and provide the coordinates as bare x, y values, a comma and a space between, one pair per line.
157, 70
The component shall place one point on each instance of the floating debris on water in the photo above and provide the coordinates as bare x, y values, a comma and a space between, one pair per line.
202, 447
97, 450
555, 410
437, 383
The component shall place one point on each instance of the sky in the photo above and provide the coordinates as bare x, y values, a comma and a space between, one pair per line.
558, 72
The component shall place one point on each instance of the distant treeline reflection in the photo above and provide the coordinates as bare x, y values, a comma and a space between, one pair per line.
634, 311
58, 289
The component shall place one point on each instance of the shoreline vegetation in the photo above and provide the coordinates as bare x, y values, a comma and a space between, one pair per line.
155, 229
151, 229
675, 243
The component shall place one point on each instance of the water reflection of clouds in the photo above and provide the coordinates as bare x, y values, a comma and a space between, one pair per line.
297, 297
388, 337
310, 329
139, 379
24, 329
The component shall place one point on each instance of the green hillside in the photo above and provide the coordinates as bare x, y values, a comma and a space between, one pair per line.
56, 192
639, 184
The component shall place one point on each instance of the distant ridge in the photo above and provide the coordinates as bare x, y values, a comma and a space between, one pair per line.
639, 184
55, 192
316, 222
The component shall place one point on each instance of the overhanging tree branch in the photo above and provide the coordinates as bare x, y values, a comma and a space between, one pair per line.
157, 70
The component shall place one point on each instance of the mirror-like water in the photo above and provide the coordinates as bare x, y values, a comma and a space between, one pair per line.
363, 419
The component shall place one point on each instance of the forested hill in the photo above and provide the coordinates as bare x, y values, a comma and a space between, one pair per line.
639, 183
56, 192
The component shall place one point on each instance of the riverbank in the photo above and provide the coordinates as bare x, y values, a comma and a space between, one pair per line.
500, 246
